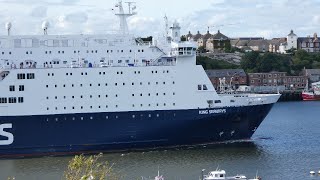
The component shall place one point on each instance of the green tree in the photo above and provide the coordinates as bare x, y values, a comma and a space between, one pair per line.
302, 59
227, 47
249, 61
183, 38
89, 168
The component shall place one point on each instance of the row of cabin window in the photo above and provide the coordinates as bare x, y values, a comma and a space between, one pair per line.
81, 107
116, 84
3, 53
65, 97
107, 117
12, 88
23, 76
88, 51
99, 96
99, 107
157, 105
11, 100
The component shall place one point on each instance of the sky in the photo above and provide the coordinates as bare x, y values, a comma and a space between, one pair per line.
234, 18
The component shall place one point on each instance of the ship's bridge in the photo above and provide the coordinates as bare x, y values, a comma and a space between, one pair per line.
187, 48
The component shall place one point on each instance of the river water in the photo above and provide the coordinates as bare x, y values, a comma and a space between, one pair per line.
286, 146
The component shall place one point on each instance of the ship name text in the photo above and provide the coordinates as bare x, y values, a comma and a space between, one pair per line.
6, 134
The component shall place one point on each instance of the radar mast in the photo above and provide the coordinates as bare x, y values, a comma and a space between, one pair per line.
123, 15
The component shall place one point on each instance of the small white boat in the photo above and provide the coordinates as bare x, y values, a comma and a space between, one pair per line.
221, 175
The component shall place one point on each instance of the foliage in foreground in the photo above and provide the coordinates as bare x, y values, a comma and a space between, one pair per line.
89, 168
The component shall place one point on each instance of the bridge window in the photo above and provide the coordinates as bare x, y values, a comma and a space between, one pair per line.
12, 100
30, 76
20, 99
3, 100
12, 88
217, 101
21, 76
21, 87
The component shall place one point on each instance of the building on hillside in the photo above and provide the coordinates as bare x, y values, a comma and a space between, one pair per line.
261, 45
235, 77
309, 44
196, 37
312, 74
291, 43
202, 41
277, 79
275, 43
217, 42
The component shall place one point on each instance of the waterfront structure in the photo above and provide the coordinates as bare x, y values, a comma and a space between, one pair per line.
63, 94
277, 79
312, 74
233, 77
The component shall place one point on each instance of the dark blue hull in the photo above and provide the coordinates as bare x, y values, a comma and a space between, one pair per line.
98, 132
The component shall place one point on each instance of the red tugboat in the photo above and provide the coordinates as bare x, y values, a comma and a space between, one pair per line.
313, 94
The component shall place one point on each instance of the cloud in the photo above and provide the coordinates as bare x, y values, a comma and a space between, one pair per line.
39, 11
76, 17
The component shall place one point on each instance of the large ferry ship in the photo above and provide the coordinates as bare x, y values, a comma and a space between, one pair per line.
66, 94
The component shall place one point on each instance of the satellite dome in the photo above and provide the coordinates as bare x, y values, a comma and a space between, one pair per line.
8, 25
45, 25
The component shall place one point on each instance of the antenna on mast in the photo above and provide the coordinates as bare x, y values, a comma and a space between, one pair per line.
167, 25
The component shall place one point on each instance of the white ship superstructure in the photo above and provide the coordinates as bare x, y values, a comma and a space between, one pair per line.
75, 81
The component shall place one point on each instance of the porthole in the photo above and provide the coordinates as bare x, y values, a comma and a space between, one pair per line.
90, 107
132, 105
124, 83
47, 97
140, 94
91, 117
149, 115
106, 96
72, 107
164, 104
64, 108
116, 106
157, 115
75, 118
140, 83
81, 118
141, 105
106, 84
47, 109
174, 104
81, 107
133, 116
99, 107
117, 117
164, 94
106, 106
107, 117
